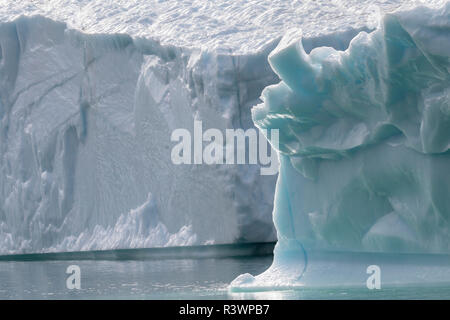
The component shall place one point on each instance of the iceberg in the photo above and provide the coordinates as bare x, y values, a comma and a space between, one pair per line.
90, 93
85, 128
364, 146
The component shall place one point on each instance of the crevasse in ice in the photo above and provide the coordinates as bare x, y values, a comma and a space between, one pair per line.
364, 143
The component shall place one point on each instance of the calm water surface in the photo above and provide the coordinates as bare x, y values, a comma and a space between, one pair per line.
205, 278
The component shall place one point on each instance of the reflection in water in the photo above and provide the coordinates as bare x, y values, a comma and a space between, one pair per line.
127, 279
264, 295
344, 293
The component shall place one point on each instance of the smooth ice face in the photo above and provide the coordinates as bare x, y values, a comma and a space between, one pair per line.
364, 143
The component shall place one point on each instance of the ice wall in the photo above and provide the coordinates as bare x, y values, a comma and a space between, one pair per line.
87, 109
85, 131
364, 144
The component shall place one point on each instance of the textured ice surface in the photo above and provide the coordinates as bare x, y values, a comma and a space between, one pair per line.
139, 228
85, 134
239, 26
364, 144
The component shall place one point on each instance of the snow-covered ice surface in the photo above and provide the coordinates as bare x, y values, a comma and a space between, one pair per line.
364, 147
237, 26
90, 92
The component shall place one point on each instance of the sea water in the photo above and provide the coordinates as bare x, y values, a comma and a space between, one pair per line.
145, 275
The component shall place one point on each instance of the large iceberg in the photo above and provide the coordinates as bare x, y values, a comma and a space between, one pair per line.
85, 142
364, 144
90, 92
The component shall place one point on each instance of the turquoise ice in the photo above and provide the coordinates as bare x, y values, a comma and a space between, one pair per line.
364, 144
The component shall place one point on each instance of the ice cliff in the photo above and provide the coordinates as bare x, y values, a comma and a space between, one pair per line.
85, 149
364, 144
90, 93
